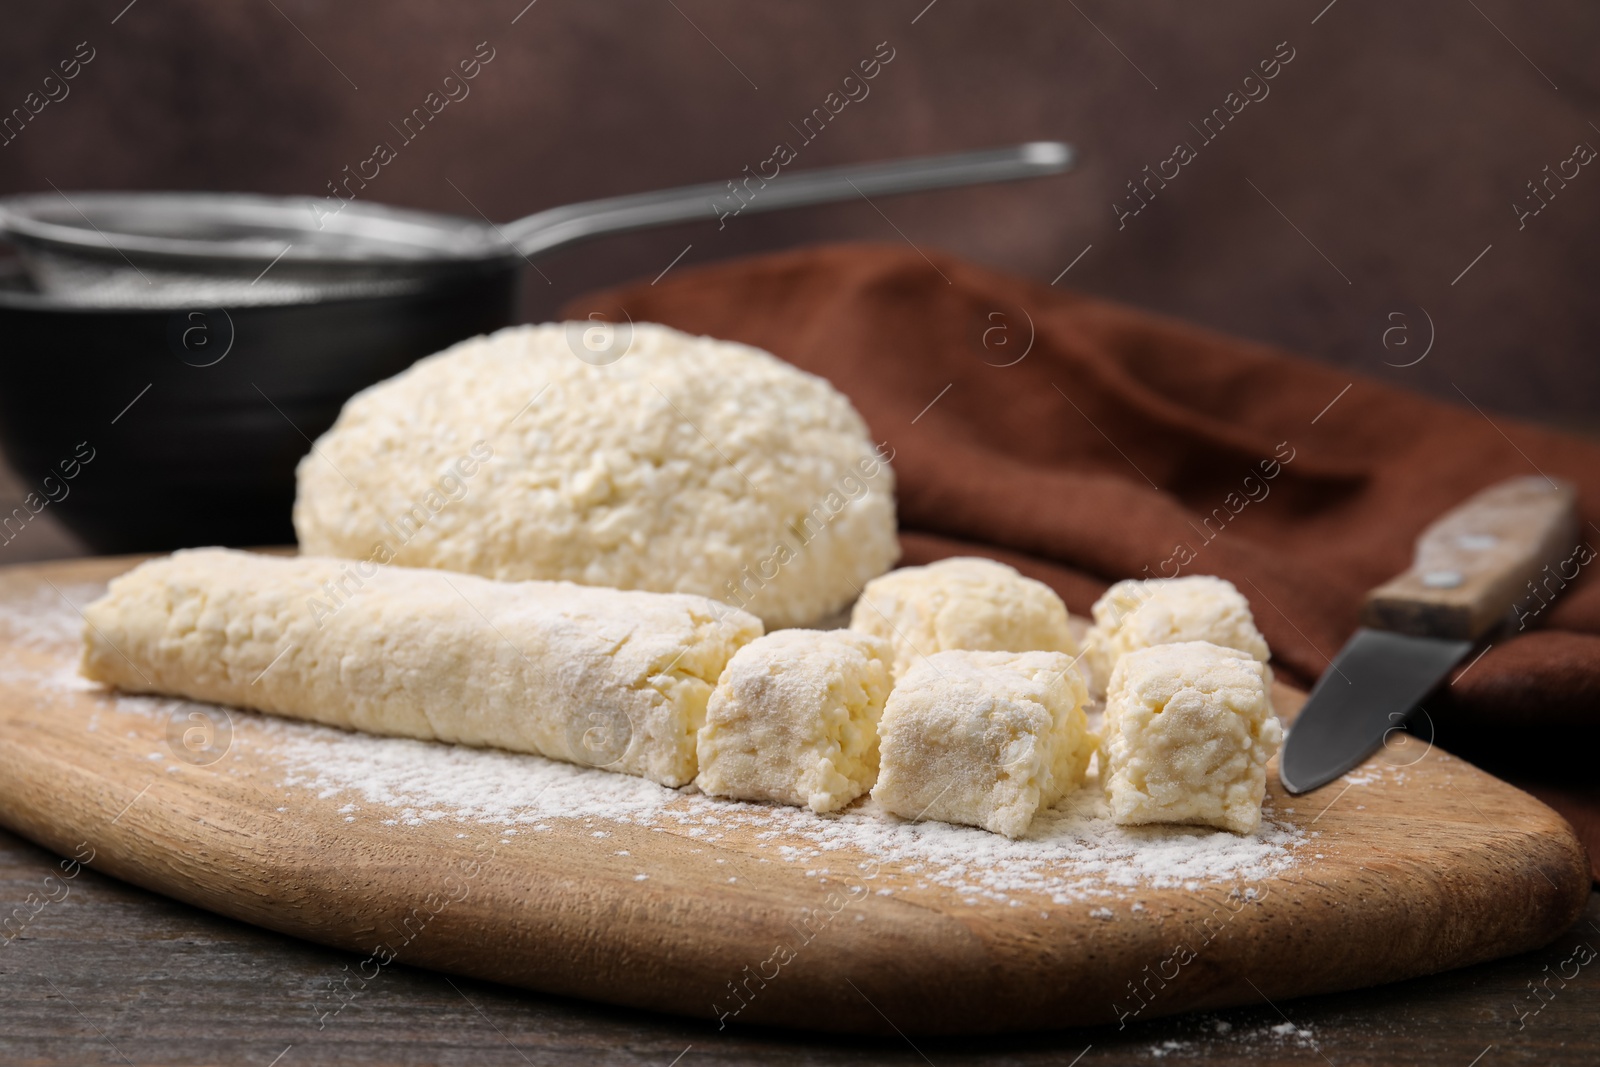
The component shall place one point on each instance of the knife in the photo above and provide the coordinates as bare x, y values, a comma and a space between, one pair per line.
1491, 560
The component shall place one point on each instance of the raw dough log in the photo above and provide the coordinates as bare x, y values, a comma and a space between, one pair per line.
795, 719
983, 738
1140, 614
595, 676
962, 603
1189, 729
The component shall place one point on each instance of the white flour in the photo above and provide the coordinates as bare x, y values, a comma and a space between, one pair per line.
1071, 853
43, 623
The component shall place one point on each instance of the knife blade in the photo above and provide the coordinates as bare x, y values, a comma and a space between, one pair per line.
1482, 564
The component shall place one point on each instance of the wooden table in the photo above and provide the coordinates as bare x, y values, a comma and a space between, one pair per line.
107, 973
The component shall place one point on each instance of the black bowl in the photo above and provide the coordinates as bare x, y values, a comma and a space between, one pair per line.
147, 429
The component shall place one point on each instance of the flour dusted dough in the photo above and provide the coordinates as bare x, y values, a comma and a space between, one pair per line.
962, 603
1189, 729
687, 465
596, 676
983, 738
794, 719
1139, 614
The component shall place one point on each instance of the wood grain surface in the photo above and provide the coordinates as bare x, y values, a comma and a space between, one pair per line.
111, 973
1434, 867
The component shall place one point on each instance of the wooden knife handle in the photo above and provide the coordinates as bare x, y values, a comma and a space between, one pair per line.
1476, 563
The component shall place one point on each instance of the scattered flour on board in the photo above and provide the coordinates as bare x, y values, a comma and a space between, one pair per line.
1072, 852
41, 622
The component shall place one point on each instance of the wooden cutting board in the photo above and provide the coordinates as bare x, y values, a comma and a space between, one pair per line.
606, 887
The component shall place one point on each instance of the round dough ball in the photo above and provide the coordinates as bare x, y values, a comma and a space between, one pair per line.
665, 462
964, 602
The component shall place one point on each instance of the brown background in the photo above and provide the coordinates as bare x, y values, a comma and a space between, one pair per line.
1396, 141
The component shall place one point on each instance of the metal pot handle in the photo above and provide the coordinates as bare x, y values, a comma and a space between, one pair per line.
547, 230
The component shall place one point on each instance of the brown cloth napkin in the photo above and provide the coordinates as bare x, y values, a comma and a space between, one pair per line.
1084, 442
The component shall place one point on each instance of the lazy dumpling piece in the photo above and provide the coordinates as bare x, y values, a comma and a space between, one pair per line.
1138, 614
983, 738
1188, 731
962, 603
794, 719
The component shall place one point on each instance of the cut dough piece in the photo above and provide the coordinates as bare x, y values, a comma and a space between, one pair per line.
1189, 729
1160, 611
962, 603
631, 456
983, 738
595, 676
795, 719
